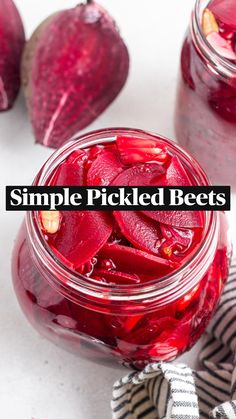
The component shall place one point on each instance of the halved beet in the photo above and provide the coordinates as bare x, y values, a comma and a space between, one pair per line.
138, 150
141, 231
134, 261
175, 176
224, 11
104, 169
115, 277
139, 175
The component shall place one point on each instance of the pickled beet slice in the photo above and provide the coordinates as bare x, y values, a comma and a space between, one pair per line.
104, 169
139, 175
175, 176
134, 261
78, 156
141, 231
181, 219
182, 237
137, 150
71, 172
115, 277
221, 45
224, 11
82, 235
175, 242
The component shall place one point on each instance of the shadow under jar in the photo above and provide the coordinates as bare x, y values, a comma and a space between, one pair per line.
205, 117
106, 315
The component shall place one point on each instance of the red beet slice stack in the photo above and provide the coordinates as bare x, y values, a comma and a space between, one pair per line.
82, 233
136, 227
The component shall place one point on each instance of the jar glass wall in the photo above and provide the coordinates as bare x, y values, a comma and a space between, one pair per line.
205, 117
133, 324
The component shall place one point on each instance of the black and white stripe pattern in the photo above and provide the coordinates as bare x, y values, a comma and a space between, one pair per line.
165, 390
138, 394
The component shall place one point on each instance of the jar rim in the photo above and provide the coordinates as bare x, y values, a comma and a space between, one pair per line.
70, 279
220, 64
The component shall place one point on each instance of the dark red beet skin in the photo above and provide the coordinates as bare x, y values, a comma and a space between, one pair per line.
12, 39
80, 63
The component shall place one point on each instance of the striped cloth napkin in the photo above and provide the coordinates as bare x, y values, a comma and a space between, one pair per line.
167, 390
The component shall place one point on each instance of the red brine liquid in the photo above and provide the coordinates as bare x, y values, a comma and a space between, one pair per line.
123, 250
123, 246
206, 100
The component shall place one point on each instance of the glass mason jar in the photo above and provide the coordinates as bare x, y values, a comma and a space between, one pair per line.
133, 324
205, 117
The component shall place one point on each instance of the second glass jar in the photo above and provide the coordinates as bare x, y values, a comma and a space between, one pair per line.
206, 103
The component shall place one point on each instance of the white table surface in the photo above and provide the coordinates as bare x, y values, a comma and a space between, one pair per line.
37, 379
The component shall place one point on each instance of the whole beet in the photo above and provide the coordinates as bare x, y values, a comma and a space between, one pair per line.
73, 67
12, 40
